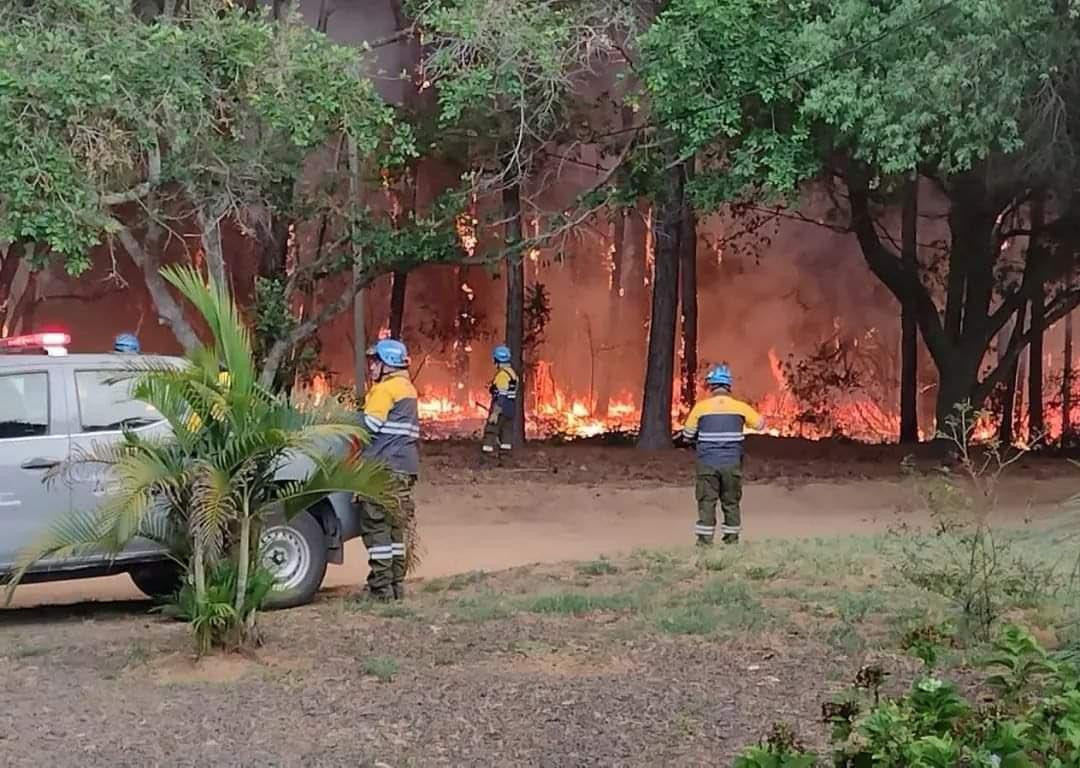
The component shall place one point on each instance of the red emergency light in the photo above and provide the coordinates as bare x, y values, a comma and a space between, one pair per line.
53, 342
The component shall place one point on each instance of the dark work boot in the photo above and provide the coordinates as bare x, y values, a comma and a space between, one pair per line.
704, 541
378, 594
398, 588
731, 538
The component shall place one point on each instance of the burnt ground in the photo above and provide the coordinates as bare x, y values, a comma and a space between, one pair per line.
613, 459
657, 656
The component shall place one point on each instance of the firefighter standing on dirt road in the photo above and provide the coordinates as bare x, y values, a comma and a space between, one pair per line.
391, 415
716, 424
498, 431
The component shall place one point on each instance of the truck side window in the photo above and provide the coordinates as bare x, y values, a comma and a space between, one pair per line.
24, 405
106, 405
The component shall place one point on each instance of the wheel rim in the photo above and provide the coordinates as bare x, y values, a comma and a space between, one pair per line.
286, 554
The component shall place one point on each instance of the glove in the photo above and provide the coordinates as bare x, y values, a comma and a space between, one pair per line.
493, 390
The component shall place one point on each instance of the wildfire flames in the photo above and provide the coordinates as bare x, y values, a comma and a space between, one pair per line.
455, 411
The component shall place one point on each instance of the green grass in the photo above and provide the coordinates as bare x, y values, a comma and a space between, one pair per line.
382, 668
845, 638
394, 610
856, 607
656, 561
601, 567
717, 563
578, 603
687, 620
478, 608
764, 572
849, 593
455, 583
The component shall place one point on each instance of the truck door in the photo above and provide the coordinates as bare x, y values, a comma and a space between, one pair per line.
33, 440
103, 408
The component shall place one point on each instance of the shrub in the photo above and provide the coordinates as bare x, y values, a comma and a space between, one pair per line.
962, 557
1033, 721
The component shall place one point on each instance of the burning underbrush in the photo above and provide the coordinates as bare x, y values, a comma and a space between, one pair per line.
843, 390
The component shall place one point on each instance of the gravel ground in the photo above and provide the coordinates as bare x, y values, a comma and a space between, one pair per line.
340, 683
449, 682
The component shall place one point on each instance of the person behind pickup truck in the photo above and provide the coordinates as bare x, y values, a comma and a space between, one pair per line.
391, 415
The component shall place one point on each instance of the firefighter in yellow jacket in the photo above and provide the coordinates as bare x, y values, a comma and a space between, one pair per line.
716, 424
498, 432
391, 415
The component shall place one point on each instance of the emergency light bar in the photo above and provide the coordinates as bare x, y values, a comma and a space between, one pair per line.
52, 342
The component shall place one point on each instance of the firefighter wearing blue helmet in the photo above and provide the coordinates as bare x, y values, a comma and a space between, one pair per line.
716, 424
391, 416
498, 432
126, 344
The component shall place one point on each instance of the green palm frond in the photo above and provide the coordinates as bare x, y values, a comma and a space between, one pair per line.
139, 479
205, 362
371, 481
213, 507
232, 339
163, 530
80, 533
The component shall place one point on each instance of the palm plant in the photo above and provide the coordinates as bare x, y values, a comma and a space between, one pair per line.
208, 486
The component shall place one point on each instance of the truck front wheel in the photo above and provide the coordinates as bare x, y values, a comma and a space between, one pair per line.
295, 552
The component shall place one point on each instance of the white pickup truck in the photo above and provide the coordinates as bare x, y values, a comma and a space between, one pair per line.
51, 403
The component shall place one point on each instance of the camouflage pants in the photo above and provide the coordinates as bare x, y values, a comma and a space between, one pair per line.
498, 431
383, 530
718, 485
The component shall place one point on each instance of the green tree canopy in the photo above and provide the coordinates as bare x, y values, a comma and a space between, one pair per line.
98, 108
977, 96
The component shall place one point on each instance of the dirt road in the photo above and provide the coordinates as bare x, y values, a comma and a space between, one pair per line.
504, 521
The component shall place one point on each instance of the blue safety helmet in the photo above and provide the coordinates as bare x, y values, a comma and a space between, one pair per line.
719, 376
126, 343
501, 354
391, 353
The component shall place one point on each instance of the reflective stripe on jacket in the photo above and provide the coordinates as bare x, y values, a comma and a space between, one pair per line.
717, 424
392, 417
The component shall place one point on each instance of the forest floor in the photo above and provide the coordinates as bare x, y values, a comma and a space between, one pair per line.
560, 618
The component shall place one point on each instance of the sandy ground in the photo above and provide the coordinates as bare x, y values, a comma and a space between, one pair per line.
506, 519
451, 677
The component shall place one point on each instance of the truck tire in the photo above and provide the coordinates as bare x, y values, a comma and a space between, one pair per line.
295, 552
158, 581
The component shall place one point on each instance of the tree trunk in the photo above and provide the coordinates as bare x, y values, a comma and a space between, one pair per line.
1036, 415
909, 335
689, 300
210, 228
359, 330
13, 260
515, 300
1007, 429
655, 432
1067, 380
397, 304
22, 293
169, 310
957, 379
243, 560
614, 327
